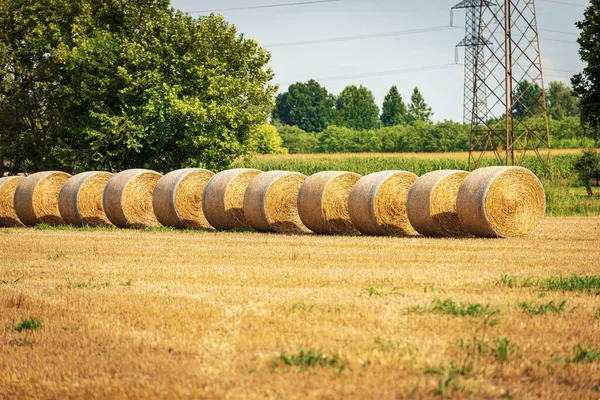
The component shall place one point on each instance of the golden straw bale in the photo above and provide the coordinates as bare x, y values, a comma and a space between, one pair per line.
36, 198
431, 204
128, 198
223, 201
323, 202
80, 200
177, 198
271, 202
378, 203
501, 202
8, 215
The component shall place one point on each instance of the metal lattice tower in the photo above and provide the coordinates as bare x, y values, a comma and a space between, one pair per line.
510, 116
472, 58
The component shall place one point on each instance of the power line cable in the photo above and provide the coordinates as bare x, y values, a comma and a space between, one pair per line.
361, 37
564, 3
299, 3
561, 32
392, 72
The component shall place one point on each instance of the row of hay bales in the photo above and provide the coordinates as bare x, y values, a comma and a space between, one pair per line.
489, 202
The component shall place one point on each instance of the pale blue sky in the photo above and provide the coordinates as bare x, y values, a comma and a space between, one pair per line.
442, 88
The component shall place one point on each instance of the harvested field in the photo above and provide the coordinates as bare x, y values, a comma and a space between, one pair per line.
170, 314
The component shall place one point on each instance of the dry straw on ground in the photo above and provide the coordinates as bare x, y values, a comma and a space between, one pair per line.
80, 200
177, 198
378, 203
223, 200
431, 204
271, 202
501, 202
8, 215
128, 198
36, 198
323, 202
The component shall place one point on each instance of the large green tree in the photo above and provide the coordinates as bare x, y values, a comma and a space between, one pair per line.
562, 102
394, 110
356, 108
308, 106
418, 110
126, 83
587, 84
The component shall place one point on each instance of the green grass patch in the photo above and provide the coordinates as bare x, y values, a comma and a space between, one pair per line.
91, 284
301, 307
503, 349
450, 307
590, 284
571, 283
541, 309
29, 324
309, 359
586, 354
46, 227
56, 257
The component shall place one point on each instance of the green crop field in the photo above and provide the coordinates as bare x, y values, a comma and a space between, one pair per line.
565, 196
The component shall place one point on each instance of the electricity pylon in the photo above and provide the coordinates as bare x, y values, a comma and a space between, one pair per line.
472, 58
509, 116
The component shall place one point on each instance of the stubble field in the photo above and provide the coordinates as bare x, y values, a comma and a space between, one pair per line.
109, 313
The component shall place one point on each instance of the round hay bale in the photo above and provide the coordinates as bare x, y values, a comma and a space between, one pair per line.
223, 200
80, 200
128, 198
8, 215
431, 204
271, 202
323, 202
378, 204
501, 202
177, 198
36, 198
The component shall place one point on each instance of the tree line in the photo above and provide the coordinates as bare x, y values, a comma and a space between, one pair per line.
310, 107
311, 120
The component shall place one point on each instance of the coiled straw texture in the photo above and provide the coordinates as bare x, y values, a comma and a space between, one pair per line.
501, 202
271, 202
323, 202
8, 215
80, 200
431, 204
128, 198
177, 198
377, 204
223, 201
36, 198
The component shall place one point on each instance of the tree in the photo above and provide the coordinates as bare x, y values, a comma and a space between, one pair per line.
562, 102
418, 110
268, 141
394, 110
528, 100
298, 141
588, 168
306, 105
356, 108
126, 83
587, 84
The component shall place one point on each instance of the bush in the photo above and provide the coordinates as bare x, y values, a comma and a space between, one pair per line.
588, 169
268, 141
298, 141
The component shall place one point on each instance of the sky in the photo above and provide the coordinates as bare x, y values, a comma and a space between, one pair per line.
381, 62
